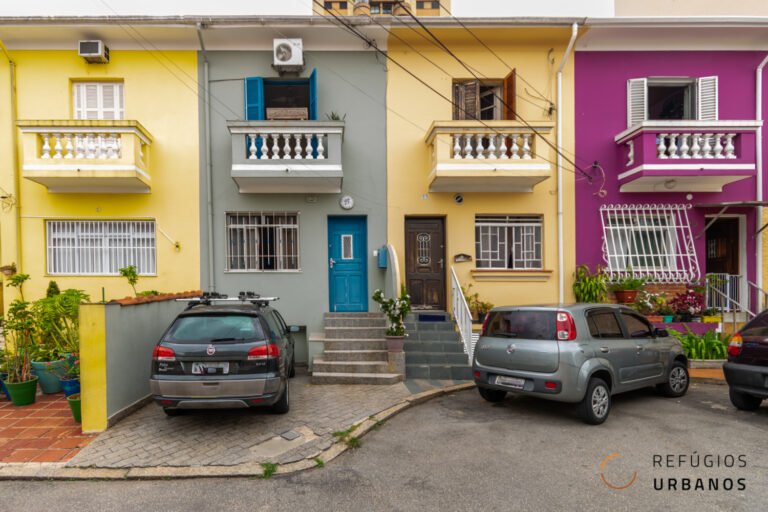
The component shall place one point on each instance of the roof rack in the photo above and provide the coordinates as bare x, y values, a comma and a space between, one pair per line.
209, 298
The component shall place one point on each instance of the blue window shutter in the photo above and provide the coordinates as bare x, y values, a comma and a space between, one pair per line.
254, 99
313, 95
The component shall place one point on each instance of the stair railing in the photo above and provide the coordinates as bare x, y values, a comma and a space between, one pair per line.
761, 296
733, 310
461, 314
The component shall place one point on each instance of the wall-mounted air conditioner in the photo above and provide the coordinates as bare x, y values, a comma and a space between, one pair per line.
288, 54
94, 51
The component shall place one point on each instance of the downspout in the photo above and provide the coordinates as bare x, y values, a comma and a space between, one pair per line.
560, 251
208, 163
15, 143
759, 155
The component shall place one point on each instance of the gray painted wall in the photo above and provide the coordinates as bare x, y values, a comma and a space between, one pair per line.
351, 83
132, 332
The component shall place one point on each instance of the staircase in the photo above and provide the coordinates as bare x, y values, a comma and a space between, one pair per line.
354, 351
433, 349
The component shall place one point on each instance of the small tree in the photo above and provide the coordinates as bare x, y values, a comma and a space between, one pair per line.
395, 309
132, 275
53, 289
17, 281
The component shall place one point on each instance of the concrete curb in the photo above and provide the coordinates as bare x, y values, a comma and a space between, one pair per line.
58, 470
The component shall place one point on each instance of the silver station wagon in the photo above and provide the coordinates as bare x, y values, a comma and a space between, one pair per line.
582, 353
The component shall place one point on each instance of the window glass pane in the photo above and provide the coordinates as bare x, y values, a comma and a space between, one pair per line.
346, 247
274, 326
670, 101
603, 324
511, 242
532, 325
636, 327
262, 241
204, 328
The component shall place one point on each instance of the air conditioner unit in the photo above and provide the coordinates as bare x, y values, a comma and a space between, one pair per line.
94, 51
288, 54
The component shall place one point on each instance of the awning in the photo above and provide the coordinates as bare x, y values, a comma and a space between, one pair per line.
724, 208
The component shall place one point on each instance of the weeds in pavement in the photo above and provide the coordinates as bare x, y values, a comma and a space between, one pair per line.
269, 470
346, 436
319, 463
354, 442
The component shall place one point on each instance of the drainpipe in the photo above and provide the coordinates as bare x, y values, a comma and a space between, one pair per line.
560, 255
15, 143
208, 163
759, 154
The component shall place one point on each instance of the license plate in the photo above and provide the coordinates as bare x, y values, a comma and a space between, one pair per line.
210, 368
512, 382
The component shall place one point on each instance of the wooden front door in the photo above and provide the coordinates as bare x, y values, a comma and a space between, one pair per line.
723, 247
425, 262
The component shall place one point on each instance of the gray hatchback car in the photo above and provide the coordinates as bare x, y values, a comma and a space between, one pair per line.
582, 353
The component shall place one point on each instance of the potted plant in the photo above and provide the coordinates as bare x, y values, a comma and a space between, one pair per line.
627, 288
688, 305
3, 376
74, 406
647, 304
666, 311
477, 307
19, 329
589, 287
70, 381
711, 316
395, 310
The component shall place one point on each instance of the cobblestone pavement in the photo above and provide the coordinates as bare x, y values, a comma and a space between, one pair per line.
226, 438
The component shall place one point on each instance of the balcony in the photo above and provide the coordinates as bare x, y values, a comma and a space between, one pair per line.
504, 156
69, 156
686, 156
287, 157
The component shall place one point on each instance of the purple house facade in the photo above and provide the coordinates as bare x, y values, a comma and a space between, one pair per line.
674, 189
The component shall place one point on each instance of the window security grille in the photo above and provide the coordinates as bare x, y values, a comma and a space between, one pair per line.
100, 247
508, 242
262, 241
653, 241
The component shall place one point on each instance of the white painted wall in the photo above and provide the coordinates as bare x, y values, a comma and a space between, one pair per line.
154, 7
544, 8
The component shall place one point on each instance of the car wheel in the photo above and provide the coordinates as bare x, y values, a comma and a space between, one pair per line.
492, 395
282, 406
596, 405
292, 372
744, 401
171, 412
677, 381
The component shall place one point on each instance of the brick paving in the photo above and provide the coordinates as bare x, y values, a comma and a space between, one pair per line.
40, 432
227, 438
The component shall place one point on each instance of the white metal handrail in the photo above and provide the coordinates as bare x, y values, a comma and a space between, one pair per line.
727, 284
749, 314
762, 296
462, 315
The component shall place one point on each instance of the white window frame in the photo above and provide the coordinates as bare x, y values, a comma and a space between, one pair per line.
81, 110
246, 238
100, 247
511, 232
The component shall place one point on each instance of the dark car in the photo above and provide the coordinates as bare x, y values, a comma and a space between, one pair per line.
224, 353
746, 370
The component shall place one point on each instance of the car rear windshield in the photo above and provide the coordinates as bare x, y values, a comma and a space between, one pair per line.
209, 328
757, 327
531, 325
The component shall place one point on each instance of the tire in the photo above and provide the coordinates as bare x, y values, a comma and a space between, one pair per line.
292, 371
492, 395
282, 406
596, 405
677, 381
743, 401
171, 412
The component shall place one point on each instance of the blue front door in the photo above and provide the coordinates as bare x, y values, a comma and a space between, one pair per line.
347, 263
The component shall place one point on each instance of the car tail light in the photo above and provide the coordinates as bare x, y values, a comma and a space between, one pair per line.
163, 354
477, 374
566, 327
734, 347
269, 351
485, 324
550, 384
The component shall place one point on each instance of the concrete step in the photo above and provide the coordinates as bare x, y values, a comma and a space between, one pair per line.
355, 378
354, 332
323, 366
436, 358
355, 355
433, 336
355, 344
432, 346
430, 326
355, 322
428, 316
438, 372
353, 315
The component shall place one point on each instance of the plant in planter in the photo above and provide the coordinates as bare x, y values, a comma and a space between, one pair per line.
627, 288
589, 287
74, 406
477, 307
710, 345
395, 310
647, 304
688, 305
19, 328
3, 375
666, 311
70, 381
711, 316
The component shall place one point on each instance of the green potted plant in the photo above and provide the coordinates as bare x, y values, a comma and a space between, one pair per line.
627, 288
70, 381
74, 406
477, 308
666, 311
3, 375
711, 316
395, 310
19, 328
589, 287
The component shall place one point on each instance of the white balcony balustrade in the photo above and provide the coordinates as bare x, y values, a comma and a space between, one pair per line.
705, 146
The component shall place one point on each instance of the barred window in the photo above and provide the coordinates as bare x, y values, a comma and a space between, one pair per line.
508, 242
100, 247
262, 241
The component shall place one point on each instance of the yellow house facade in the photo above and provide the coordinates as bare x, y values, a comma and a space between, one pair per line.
472, 165
99, 169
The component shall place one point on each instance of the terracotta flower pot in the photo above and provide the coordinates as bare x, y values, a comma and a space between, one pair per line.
655, 319
626, 296
395, 343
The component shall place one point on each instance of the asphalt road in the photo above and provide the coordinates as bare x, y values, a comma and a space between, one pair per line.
461, 453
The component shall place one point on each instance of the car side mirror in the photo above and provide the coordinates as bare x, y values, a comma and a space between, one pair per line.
661, 333
294, 328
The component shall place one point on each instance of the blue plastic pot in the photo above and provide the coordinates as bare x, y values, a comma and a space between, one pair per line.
70, 386
3, 376
49, 373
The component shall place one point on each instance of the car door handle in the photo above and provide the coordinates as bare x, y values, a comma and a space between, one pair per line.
604, 350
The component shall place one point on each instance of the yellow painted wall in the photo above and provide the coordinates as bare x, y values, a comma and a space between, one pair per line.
93, 367
162, 97
413, 108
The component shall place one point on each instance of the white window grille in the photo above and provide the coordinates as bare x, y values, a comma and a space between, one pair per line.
262, 241
508, 242
85, 247
652, 241
98, 100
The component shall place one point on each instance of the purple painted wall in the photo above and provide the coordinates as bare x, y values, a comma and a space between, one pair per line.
601, 114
